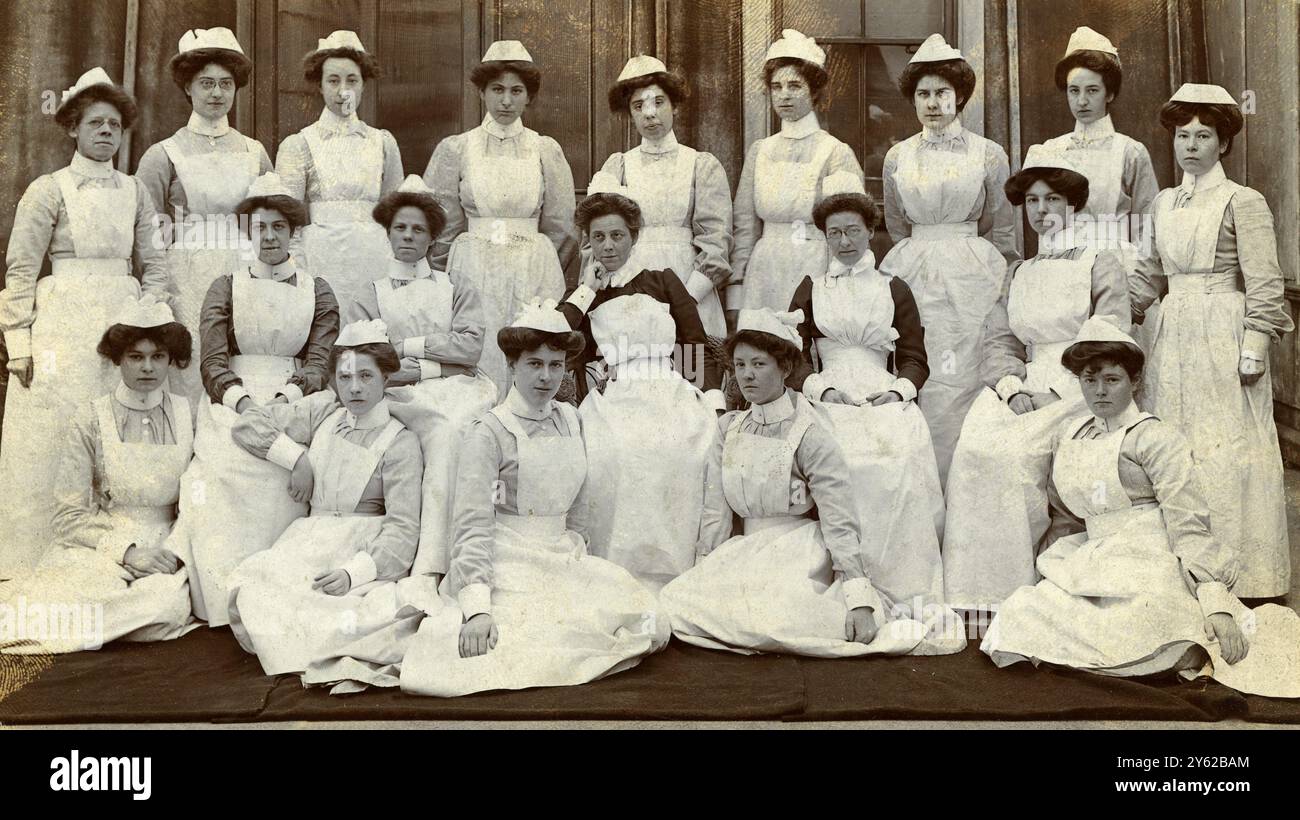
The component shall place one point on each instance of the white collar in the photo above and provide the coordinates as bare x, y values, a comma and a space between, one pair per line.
663, 145
837, 268
625, 274
276, 273
949, 133
1066, 239
209, 128
1129, 415
1210, 179
332, 124
777, 410
503, 132
516, 404
1096, 130
805, 126
136, 400
93, 168
376, 416
403, 272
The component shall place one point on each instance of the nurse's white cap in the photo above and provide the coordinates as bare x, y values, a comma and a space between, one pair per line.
341, 39
642, 65
798, 45
1203, 93
540, 314
414, 184
1040, 156
1102, 328
503, 50
629, 327
935, 49
197, 39
268, 184
93, 77
371, 331
146, 312
765, 320
842, 182
1086, 39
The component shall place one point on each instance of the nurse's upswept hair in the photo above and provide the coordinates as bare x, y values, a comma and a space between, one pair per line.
1082, 356
813, 74
1073, 186
1107, 65
291, 209
608, 204
958, 73
69, 114
484, 73
516, 341
394, 201
313, 65
861, 204
172, 337
785, 353
621, 94
384, 354
1226, 120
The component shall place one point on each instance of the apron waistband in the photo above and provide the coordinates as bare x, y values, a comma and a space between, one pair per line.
91, 267
315, 513
1100, 526
950, 230
342, 210
786, 230
1047, 351
759, 523
666, 234
534, 525
512, 225
1203, 282
142, 514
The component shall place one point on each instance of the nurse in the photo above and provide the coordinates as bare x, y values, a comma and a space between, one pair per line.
776, 242
864, 361
340, 167
267, 329
118, 476
683, 193
1149, 588
91, 221
524, 604
198, 175
790, 582
360, 468
436, 325
508, 195
997, 489
1214, 262
953, 234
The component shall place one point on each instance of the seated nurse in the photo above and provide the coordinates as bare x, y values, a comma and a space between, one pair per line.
360, 468
791, 582
1147, 588
524, 604
997, 486
118, 475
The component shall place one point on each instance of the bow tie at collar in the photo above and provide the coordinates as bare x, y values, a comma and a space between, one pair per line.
1124, 419
400, 271
773, 412
208, 128
805, 126
136, 400
1086, 134
332, 125
376, 416
503, 132
276, 273
1194, 185
952, 133
663, 146
515, 404
87, 167
836, 269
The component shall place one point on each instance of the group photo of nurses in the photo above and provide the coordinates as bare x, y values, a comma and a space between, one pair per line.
484, 426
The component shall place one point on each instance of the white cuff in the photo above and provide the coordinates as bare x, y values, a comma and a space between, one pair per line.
735, 296
19, 343
1215, 596
814, 387
413, 348
715, 399
1254, 345
113, 545
361, 569
292, 392
698, 286
475, 599
582, 297
285, 452
859, 592
234, 394
904, 388
430, 369
1008, 386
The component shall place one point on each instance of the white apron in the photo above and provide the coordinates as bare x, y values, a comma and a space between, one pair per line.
502, 253
343, 244
274, 612
955, 275
448, 403
1192, 382
113, 604
997, 488
564, 617
887, 448
666, 240
772, 589
791, 247
207, 243
232, 503
81, 298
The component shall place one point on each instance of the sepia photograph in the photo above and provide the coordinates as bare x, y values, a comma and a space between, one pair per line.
650, 364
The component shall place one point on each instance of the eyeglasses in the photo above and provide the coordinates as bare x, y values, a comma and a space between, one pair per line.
838, 233
207, 84
98, 123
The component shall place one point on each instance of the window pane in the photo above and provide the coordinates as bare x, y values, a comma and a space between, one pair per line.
823, 18
420, 95
915, 19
